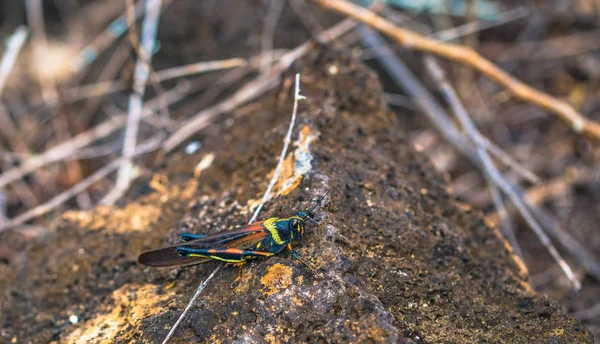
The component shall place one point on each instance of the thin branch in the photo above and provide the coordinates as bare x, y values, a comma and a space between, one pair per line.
106, 87
70, 147
404, 78
165, 114
35, 19
142, 70
454, 33
13, 47
491, 170
266, 197
42, 209
191, 302
588, 313
286, 144
275, 10
467, 56
114, 30
508, 160
507, 227
457, 32
252, 90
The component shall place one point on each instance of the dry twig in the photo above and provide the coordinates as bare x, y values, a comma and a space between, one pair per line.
251, 90
105, 87
436, 114
275, 10
492, 172
42, 209
35, 18
467, 56
13, 47
71, 146
142, 70
114, 30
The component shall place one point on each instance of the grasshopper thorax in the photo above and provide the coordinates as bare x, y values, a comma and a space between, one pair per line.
284, 231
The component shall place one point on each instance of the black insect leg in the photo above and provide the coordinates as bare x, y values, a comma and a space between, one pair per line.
295, 255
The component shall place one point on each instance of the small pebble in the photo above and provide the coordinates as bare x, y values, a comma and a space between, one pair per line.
193, 147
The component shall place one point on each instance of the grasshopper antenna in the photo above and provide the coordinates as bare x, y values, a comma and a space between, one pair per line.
319, 202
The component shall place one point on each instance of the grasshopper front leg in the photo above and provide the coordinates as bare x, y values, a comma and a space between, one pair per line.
295, 255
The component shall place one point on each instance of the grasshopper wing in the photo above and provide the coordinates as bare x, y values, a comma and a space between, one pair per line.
243, 238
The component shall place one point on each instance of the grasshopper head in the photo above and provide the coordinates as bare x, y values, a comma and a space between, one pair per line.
296, 227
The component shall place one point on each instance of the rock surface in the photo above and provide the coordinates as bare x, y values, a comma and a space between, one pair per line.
397, 259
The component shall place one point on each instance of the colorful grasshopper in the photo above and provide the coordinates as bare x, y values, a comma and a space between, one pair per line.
258, 239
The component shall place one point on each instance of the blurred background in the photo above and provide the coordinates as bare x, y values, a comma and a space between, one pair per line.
70, 76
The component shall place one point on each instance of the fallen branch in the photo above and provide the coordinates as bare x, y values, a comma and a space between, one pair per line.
13, 47
491, 171
42, 209
71, 146
105, 87
35, 19
268, 34
404, 78
142, 71
469, 57
114, 30
251, 90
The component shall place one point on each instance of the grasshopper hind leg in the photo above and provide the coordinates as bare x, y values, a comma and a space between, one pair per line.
228, 255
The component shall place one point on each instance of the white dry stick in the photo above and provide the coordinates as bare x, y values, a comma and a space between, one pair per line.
253, 89
457, 32
507, 227
35, 19
491, 170
42, 209
114, 30
275, 9
13, 47
454, 33
142, 71
286, 144
508, 160
105, 87
266, 197
70, 147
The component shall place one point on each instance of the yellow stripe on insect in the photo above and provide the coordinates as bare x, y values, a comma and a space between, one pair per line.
272, 228
229, 260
